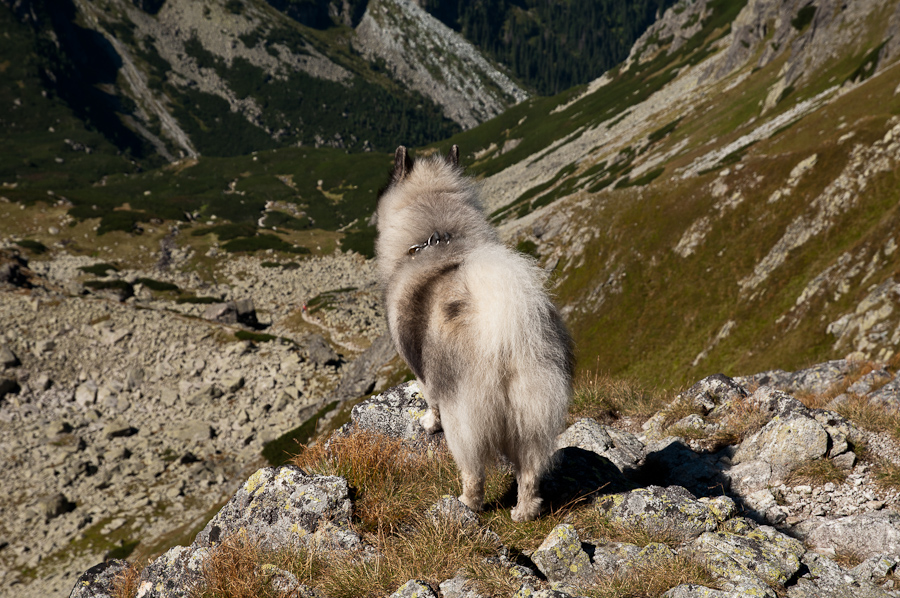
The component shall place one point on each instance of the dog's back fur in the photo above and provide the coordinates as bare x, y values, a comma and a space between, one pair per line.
474, 323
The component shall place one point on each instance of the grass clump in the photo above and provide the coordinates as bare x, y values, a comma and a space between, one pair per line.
256, 337
392, 481
35, 247
608, 399
126, 583
887, 475
816, 472
157, 285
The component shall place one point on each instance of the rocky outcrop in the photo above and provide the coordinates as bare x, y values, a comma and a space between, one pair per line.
432, 59
747, 547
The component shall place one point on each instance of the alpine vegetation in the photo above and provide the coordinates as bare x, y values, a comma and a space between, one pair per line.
473, 321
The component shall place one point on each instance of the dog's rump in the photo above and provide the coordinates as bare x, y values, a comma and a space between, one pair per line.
483, 325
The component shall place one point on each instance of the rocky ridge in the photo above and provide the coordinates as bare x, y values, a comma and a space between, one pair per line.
757, 534
431, 58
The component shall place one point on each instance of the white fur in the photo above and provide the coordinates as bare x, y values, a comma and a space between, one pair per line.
497, 377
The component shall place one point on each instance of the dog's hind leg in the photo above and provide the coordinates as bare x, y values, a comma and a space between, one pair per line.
473, 489
528, 506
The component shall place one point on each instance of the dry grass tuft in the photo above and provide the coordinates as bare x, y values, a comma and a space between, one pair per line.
876, 418
607, 399
887, 475
816, 473
428, 552
741, 420
392, 481
126, 583
652, 579
848, 559
233, 569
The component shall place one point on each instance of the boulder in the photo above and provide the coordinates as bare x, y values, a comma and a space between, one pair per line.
655, 508
97, 582
784, 443
824, 578
449, 509
8, 359
623, 449
86, 394
282, 507
763, 557
561, 558
414, 588
865, 535
176, 574
396, 412
232, 312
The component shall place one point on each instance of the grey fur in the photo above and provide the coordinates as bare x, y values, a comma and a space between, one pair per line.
472, 319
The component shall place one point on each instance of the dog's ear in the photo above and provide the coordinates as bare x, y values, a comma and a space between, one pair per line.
453, 156
403, 165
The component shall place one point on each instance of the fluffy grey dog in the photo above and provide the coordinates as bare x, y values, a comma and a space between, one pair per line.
474, 323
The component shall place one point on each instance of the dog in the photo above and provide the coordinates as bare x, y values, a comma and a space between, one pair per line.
473, 321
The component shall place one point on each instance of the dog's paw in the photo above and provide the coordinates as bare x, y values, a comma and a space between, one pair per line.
473, 504
527, 512
430, 423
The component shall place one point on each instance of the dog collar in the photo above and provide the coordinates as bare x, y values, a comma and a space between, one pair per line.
434, 239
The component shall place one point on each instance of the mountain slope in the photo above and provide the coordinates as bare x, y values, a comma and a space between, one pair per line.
179, 79
725, 200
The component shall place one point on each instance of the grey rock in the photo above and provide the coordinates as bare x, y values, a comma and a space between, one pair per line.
233, 383
655, 508
888, 395
695, 591
54, 506
359, 377
118, 428
283, 507
816, 379
776, 402
318, 351
823, 578
763, 555
612, 558
867, 382
459, 587
449, 509
86, 394
866, 534
713, 391
192, 431
396, 412
749, 476
620, 447
529, 591
876, 568
8, 359
560, 556
845, 461
414, 588
97, 582
176, 574
784, 443
232, 312
205, 394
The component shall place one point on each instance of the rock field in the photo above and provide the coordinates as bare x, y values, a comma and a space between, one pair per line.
121, 421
